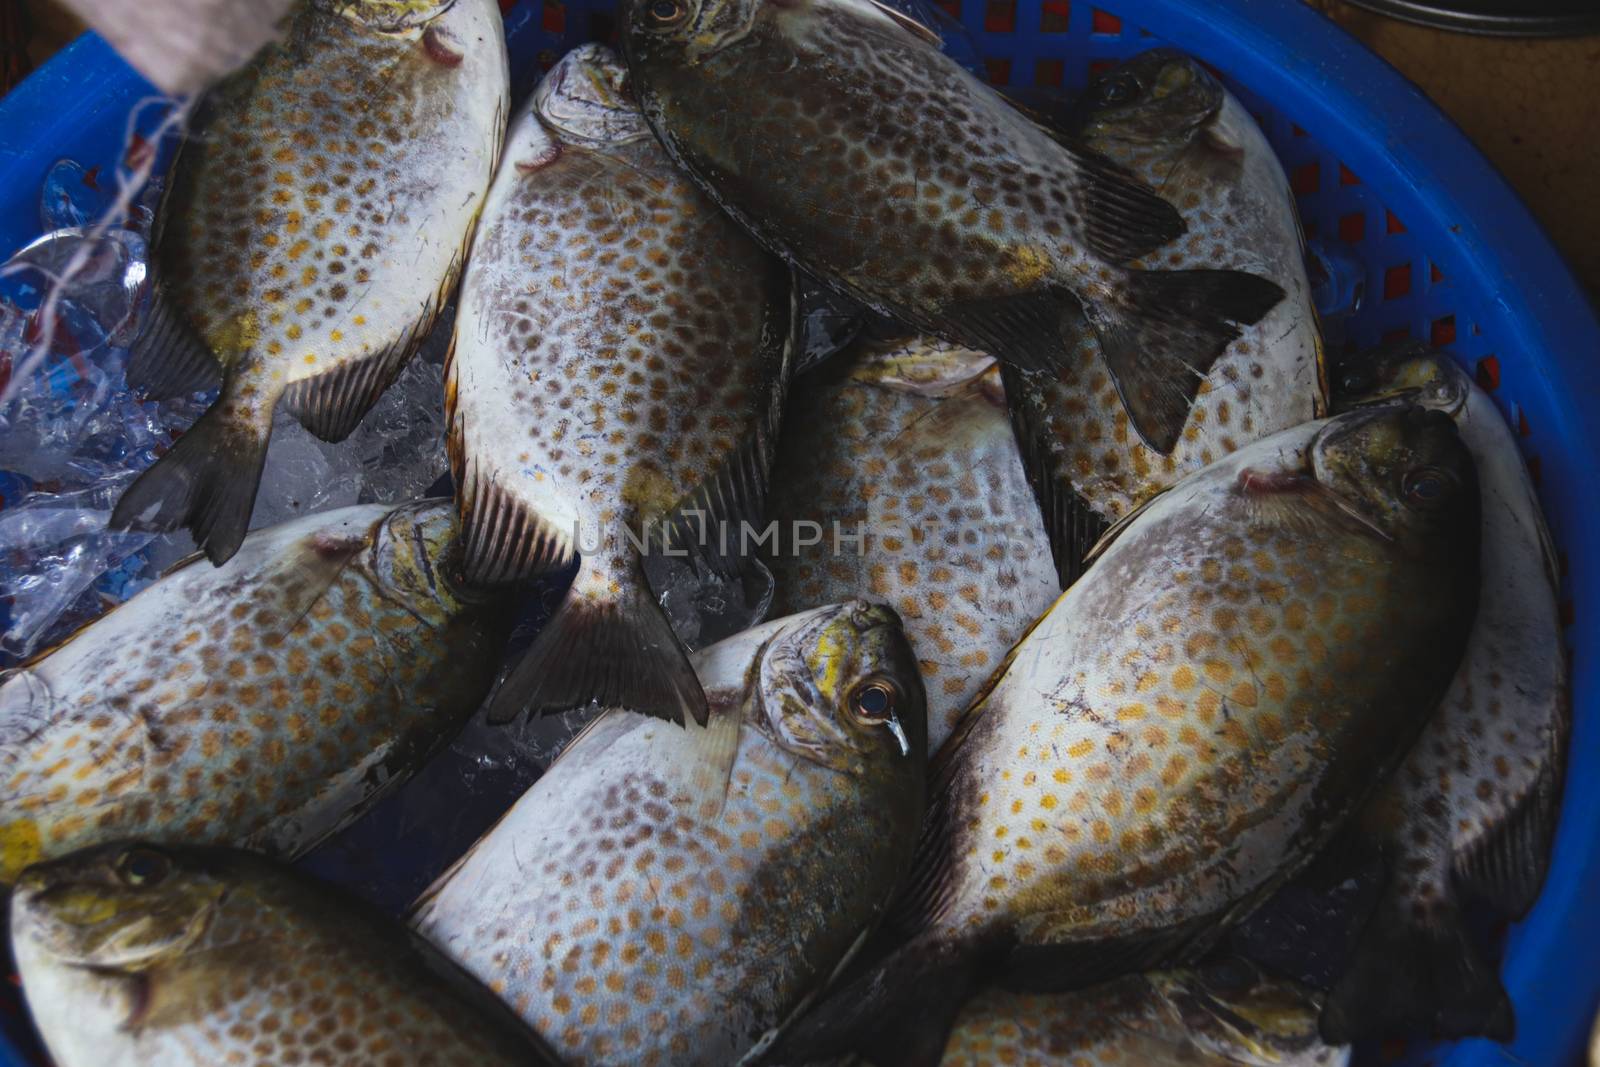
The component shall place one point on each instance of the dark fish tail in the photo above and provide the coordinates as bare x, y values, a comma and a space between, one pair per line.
899, 1012
206, 482
613, 653
1163, 331
1417, 977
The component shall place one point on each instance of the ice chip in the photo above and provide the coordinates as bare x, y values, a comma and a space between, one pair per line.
705, 607
303, 475
101, 279
72, 196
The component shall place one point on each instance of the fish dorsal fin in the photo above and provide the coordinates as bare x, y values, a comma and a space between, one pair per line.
168, 358
912, 26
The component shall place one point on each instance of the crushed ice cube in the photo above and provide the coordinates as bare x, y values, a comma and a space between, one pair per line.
72, 196
705, 607
101, 279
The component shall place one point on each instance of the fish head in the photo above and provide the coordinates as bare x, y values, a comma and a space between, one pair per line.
1404, 470
839, 686
1161, 97
585, 99
1236, 1012
117, 908
1405, 370
678, 30
387, 16
415, 558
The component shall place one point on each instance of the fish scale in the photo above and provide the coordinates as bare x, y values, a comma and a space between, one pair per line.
317, 218
227, 959
1190, 723
619, 346
1472, 809
631, 920
265, 703
1163, 1019
1196, 145
841, 137
911, 450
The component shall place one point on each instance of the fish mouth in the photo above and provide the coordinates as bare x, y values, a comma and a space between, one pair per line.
586, 97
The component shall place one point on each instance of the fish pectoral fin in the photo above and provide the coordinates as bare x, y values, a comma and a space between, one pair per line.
1161, 332
207, 482
1416, 978
1123, 217
502, 538
1074, 526
332, 404
716, 746
615, 654
168, 358
1507, 866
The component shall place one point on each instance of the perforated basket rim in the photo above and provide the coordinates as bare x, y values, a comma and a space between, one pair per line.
1456, 203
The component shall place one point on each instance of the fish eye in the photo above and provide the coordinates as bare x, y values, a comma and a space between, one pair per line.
665, 12
873, 701
141, 867
1426, 486
1230, 977
1119, 89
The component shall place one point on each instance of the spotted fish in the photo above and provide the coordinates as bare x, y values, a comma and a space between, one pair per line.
619, 358
1224, 1014
630, 922
842, 138
317, 218
1472, 810
263, 703
904, 459
1189, 724
133, 954
1165, 118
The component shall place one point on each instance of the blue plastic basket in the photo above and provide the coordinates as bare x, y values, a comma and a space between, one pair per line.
1449, 254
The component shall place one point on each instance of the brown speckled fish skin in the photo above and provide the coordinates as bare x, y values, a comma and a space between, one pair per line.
1472, 810
1198, 713
632, 923
134, 955
317, 218
847, 142
1169, 121
907, 442
1223, 1014
263, 703
1188, 726
620, 344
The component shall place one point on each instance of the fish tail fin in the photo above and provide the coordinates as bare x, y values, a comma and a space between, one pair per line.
1163, 331
207, 481
1417, 978
900, 1011
617, 653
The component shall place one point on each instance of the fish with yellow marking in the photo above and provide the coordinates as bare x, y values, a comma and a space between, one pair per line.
902, 455
1471, 813
631, 919
1170, 121
1188, 726
317, 218
133, 955
620, 356
1225, 1013
843, 139
264, 703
